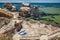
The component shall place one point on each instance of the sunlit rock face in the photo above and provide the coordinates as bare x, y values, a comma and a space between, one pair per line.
13, 8
5, 13
25, 7
25, 4
38, 28
32, 27
35, 29
25, 10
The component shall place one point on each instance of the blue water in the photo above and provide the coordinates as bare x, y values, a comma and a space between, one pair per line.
18, 5
39, 4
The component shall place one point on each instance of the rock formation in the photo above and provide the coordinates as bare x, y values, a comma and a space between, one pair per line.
33, 28
25, 10
5, 13
8, 6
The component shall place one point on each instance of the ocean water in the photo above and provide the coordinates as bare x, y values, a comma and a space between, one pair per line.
18, 5
39, 4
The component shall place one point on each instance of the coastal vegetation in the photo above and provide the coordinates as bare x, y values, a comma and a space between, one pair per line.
49, 14
54, 16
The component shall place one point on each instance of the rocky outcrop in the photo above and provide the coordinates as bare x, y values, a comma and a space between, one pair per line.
25, 10
33, 28
13, 8
5, 13
8, 6
3, 21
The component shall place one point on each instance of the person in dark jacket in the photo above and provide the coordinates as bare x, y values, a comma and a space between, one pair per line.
18, 27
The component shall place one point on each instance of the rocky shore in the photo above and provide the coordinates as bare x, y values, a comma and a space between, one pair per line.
33, 29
